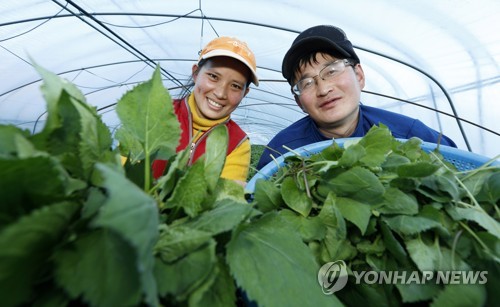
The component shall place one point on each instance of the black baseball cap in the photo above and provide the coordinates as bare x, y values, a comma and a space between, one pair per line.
323, 37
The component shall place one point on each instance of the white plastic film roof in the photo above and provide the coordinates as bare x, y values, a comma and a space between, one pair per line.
435, 60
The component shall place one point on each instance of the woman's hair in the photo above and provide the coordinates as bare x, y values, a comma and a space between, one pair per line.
188, 87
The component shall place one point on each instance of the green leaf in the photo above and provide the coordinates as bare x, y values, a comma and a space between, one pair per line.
396, 201
417, 293
14, 142
490, 191
393, 245
331, 216
74, 131
475, 181
146, 114
95, 139
366, 247
226, 215
355, 212
281, 253
222, 292
187, 274
27, 184
333, 152
309, 228
366, 295
411, 149
435, 212
190, 190
454, 261
407, 185
491, 249
352, 155
100, 267
229, 189
475, 214
52, 88
267, 195
130, 146
95, 199
461, 295
226, 189
25, 248
357, 183
178, 241
176, 169
133, 215
441, 187
417, 169
334, 246
215, 155
377, 143
394, 160
295, 198
426, 257
410, 225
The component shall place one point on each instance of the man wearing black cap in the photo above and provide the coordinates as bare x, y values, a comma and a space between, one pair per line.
326, 79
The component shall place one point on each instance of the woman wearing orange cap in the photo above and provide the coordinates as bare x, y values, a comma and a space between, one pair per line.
221, 77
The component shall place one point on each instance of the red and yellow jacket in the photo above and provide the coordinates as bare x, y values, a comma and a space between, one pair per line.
193, 126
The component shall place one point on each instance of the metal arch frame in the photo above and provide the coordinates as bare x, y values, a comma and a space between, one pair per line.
149, 61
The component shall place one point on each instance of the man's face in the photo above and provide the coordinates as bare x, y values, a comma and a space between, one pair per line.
331, 103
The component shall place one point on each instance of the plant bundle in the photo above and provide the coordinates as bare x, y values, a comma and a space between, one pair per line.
78, 228
386, 206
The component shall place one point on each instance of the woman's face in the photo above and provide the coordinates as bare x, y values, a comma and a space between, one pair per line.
219, 86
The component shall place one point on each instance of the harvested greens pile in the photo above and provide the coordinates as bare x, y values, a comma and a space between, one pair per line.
78, 228
383, 205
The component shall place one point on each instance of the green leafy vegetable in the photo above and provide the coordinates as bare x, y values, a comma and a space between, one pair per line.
387, 205
149, 127
78, 228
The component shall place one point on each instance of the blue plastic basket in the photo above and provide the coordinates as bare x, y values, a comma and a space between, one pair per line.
461, 159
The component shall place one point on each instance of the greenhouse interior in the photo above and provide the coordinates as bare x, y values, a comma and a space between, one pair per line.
434, 61
438, 62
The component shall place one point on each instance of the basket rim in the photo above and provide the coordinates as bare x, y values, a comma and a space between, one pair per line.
448, 152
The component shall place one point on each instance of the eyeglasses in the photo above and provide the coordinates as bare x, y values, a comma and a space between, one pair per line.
333, 69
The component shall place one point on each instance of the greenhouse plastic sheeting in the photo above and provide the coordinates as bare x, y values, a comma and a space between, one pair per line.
437, 61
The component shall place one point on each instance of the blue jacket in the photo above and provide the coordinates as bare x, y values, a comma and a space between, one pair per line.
304, 131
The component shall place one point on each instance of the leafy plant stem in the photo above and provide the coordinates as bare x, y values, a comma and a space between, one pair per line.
454, 247
326, 165
472, 172
279, 179
147, 174
437, 246
306, 184
472, 198
484, 167
471, 232
292, 151
466, 205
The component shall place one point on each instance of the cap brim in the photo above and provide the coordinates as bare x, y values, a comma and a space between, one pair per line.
233, 55
303, 47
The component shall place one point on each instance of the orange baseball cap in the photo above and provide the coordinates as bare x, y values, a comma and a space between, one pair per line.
234, 48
